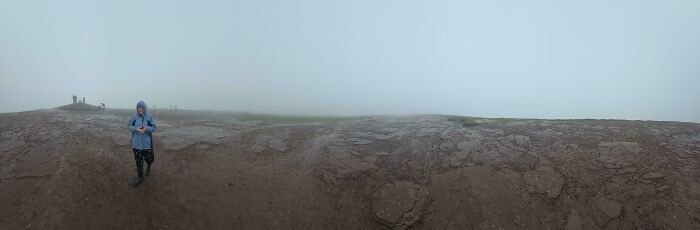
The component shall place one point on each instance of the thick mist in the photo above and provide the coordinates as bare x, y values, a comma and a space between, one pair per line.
534, 59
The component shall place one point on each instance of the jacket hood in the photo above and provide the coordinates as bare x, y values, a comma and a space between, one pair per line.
143, 105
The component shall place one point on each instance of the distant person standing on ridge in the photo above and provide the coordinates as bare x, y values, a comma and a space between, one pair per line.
142, 125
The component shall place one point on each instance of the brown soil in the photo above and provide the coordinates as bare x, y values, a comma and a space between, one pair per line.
73, 170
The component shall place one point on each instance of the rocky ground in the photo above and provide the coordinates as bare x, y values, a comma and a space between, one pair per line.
72, 170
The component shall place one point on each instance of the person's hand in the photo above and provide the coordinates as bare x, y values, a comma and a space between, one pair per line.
141, 130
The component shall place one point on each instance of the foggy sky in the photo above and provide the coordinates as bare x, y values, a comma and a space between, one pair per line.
627, 59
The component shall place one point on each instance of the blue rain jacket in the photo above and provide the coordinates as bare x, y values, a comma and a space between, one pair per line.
141, 140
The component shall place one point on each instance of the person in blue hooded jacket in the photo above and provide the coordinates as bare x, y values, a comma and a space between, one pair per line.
142, 125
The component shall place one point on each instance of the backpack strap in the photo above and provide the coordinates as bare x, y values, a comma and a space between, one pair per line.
133, 123
150, 135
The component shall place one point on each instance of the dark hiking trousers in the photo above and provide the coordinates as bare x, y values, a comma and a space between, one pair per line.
141, 155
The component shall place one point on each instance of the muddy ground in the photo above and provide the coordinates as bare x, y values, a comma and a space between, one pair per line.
73, 170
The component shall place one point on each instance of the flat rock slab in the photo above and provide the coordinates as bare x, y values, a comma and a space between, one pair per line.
517, 142
547, 133
202, 146
543, 180
574, 222
617, 155
261, 142
468, 146
625, 171
175, 138
521, 140
400, 204
175, 142
36, 164
605, 210
483, 198
464, 148
120, 137
619, 147
8, 145
382, 153
653, 175
339, 160
360, 141
340, 165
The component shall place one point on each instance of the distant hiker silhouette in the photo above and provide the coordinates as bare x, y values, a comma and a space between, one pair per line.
142, 125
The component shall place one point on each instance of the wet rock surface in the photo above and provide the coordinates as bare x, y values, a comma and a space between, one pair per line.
399, 205
543, 180
176, 138
605, 210
271, 142
72, 170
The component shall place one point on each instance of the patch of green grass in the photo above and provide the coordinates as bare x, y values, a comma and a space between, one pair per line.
472, 121
293, 119
466, 121
501, 119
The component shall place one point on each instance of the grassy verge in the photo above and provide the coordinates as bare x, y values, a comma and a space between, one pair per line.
466, 121
474, 121
292, 119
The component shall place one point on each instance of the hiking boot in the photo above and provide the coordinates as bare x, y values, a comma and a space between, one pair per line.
138, 180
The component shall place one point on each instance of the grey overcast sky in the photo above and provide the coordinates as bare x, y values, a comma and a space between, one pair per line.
623, 59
